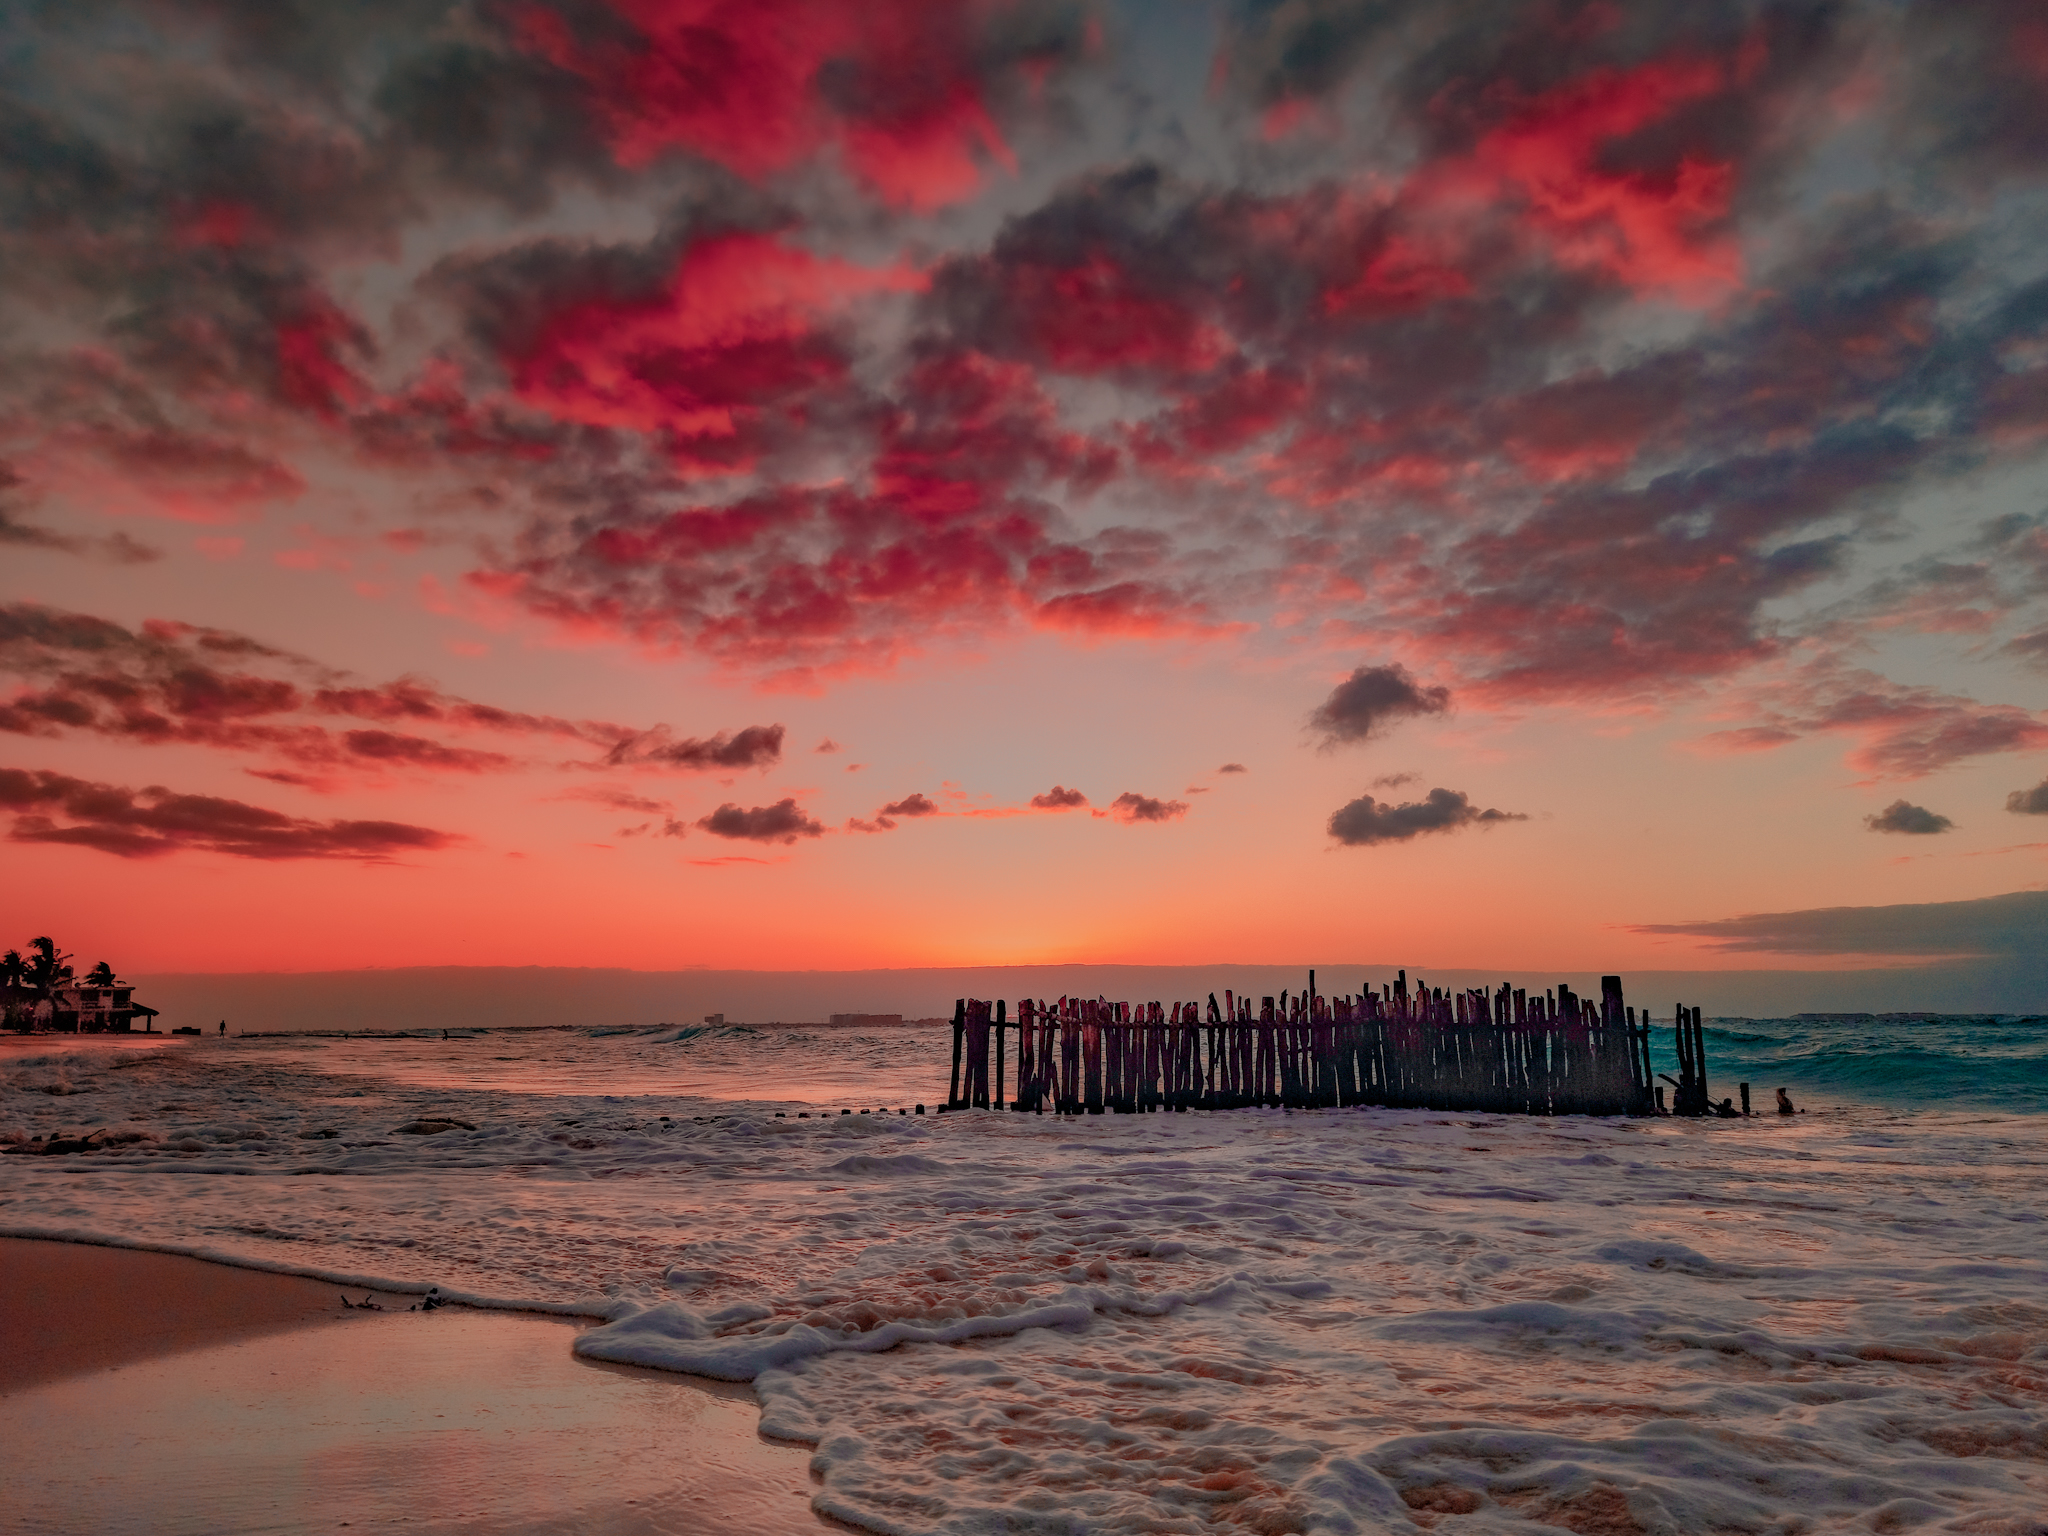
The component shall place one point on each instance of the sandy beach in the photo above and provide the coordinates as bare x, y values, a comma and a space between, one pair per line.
149, 1392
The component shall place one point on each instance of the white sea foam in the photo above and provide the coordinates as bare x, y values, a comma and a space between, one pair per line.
1332, 1321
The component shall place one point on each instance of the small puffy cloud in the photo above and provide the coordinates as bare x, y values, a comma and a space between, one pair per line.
1366, 821
1131, 808
782, 822
1370, 700
828, 745
2029, 802
1233, 768
758, 746
1395, 780
886, 818
1915, 820
1059, 798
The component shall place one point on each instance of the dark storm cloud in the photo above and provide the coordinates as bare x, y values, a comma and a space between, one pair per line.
782, 822
150, 823
2029, 802
1993, 925
1914, 820
1372, 699
1981, 65
1365, 821
487, 121
1304, 51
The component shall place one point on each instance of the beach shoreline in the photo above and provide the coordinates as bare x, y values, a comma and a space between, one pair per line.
153, 1392
74, 1308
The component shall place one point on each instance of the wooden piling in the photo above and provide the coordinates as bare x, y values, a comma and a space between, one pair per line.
953, 1100
1502, 1051
997, 1100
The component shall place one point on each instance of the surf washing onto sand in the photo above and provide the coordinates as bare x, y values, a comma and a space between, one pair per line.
1349, 1320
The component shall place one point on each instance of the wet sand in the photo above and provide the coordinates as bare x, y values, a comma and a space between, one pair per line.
144, 1392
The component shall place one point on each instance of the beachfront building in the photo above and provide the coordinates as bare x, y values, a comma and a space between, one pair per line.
77, 1008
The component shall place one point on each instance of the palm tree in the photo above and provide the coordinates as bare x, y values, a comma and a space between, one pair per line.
101, 975
47, 972
14, 979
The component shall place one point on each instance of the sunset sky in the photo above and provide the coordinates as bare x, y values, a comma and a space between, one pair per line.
808, 483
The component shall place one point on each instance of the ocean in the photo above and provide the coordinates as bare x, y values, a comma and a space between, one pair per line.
1268, 1321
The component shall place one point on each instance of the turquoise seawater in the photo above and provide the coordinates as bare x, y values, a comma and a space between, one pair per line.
1955, 1061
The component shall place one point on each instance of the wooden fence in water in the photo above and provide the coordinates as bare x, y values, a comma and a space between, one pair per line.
1503, 1051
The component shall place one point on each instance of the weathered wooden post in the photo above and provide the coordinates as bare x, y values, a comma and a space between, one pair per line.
976, 1085
959, 1033
1091, 1055
1070, 1056
996, 1101
1265, 1068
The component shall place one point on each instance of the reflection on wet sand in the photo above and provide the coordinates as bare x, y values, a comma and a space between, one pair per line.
437, 1421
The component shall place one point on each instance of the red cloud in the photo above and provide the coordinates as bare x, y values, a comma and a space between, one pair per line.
150, 823
311, 371
418, 752
1903, 732
1095, 317
1386, 393
758, 746
1655, 228
174, 682
898, 85
736, 332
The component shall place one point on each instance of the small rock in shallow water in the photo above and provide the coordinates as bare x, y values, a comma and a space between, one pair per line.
433, 1127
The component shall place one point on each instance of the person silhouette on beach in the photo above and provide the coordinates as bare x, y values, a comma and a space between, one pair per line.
1727, 1111
1785, 1103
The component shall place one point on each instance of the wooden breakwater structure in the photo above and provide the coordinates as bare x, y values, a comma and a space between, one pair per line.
1505, 1051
